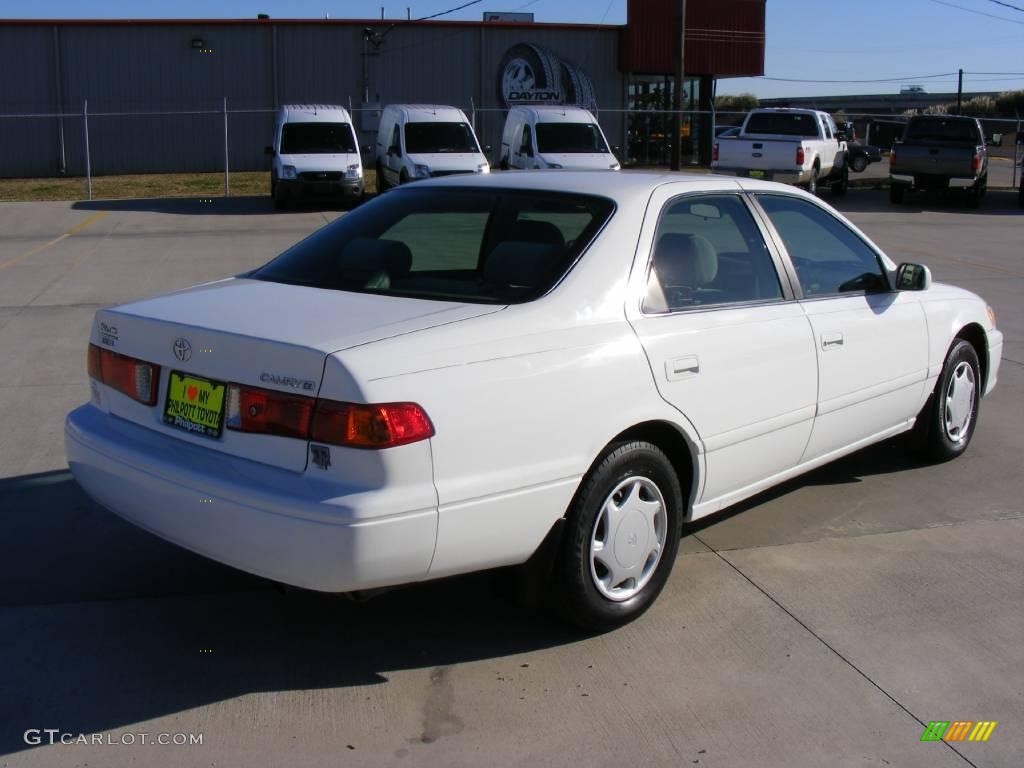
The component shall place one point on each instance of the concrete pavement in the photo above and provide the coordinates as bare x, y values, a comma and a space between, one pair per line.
825, 622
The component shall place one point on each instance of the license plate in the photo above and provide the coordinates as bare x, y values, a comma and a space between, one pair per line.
757, 174
194, 404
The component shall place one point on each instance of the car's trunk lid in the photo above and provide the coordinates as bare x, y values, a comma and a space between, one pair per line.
259, 334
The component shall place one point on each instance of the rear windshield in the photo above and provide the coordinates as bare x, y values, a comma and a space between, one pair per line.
782, 124
938, 129
426, 138
569, 138
478, 245
317, 138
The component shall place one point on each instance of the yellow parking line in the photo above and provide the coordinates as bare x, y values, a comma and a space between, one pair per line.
73, 231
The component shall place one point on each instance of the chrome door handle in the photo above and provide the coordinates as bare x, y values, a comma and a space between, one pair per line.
831, 340
682, 367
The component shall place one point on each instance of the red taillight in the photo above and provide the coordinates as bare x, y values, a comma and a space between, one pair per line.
714, 153
976, 163
370, 426
800, 156
892, 158
268, 412
350, 425
135, 378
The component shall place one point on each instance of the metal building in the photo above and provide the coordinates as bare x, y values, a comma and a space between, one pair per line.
175, 77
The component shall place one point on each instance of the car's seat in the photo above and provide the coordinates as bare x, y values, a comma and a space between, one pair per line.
683, 268
537, 231
519, 268
367, 262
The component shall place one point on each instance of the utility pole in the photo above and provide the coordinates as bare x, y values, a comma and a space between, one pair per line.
677, 90
960, 94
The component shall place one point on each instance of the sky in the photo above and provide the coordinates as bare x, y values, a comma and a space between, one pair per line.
806, 39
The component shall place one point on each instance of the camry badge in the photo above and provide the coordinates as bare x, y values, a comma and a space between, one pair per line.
182, 350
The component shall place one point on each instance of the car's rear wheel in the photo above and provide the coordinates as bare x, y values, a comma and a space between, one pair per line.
621, 538
896, 193
946, 424
812, 184
839, 188
859, 164
977, 193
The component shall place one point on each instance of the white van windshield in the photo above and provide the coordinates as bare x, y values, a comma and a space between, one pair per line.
428, 138
570, 138
317, 138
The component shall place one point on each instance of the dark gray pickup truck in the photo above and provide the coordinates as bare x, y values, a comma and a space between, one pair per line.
940, 152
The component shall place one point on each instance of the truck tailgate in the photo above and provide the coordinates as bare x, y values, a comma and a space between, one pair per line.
757, 153
933, 160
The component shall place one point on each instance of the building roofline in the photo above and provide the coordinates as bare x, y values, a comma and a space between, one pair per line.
299, 22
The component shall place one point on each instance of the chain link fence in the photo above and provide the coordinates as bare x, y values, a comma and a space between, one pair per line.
225, 139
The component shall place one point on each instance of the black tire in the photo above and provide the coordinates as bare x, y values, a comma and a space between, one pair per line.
933, 437
403, 178
280, 202
977, 193
859, 164
812, 185
840, 188
896, 193
382, 183
575, 591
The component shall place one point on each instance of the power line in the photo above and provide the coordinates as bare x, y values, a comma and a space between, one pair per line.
907, 78
450, 10
607, 11
1007, 5
979, 13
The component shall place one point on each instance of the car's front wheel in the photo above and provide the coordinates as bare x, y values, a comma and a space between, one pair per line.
945, 426
621, 538
859, 164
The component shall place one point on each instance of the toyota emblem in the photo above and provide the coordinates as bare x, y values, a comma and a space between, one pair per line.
182, 350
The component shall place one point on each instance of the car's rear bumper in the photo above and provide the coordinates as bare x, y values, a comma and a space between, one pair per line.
301, 188
921, 182
267, 521
784, 176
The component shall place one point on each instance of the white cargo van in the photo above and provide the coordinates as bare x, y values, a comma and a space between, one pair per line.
420, 141
554, 137
314, 154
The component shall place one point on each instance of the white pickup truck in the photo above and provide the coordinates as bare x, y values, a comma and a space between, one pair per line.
794, 146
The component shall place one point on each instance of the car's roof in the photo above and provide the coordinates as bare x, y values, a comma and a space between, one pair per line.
617, 185
313, 113
551, 113
430, 112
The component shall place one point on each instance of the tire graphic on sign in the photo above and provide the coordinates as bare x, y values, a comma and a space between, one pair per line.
530, 74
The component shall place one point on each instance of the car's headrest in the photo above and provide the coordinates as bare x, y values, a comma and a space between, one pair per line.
536, 231
685, 260
518, 264
365, 258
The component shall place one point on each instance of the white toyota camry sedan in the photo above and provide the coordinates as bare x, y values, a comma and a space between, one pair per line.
468, 371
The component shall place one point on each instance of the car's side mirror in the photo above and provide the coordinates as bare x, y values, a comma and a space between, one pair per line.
528, 152
913, 277
268, 150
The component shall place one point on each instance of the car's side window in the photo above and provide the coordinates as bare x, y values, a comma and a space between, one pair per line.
829, 257
708, 250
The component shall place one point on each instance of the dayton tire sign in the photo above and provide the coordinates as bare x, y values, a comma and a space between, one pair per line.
530, 74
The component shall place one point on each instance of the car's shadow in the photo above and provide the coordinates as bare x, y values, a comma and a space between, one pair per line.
243, 205
103, 626
997, 202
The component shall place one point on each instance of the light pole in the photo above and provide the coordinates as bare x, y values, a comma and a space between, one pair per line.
677, 91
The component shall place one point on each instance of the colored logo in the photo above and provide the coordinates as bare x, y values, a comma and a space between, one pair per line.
959, 730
